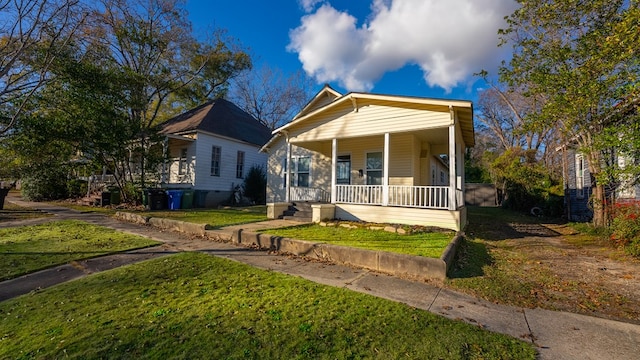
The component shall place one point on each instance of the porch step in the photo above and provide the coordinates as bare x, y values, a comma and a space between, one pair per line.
299, 211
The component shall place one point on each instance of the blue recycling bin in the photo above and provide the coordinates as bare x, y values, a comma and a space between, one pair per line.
174, 197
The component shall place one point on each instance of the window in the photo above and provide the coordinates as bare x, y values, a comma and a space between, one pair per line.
579, 176
182, 162
343, 170
374, 168
300, 171
240, 165
215, 160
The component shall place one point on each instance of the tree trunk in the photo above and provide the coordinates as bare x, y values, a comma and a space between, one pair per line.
599, 206
598, 196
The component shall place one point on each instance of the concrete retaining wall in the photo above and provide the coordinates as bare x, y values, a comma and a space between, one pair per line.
167, 224
410, 266
134, 218
416, 267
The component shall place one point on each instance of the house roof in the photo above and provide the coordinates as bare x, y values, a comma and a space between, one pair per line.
220, 117
317, 106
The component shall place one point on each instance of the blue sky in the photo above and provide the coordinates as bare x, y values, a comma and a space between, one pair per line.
427, 48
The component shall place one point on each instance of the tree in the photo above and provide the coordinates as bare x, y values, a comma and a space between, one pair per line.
151, 45
582, 58
30, 34
270, 96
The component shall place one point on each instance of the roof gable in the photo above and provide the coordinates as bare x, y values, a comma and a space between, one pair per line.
220, 117
325, 96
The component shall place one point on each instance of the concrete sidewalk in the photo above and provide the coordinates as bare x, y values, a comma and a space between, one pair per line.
557, 335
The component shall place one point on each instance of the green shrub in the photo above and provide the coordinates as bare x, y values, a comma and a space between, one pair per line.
76, 188
42, 183
255, 185
625, 227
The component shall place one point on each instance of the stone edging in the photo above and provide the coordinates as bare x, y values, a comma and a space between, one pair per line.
416, 267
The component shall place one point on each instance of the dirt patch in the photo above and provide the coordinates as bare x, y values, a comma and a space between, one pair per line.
549, 266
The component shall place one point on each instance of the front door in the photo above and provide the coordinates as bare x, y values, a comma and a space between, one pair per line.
343, 170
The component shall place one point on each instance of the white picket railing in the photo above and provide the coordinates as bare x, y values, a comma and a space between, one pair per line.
359, 194
426, 197
309, 194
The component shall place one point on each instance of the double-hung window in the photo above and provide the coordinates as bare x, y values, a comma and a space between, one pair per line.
240, 165
374, 168
216, 152
300, 171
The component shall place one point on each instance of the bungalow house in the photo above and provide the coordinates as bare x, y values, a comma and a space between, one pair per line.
211, 148
374, 158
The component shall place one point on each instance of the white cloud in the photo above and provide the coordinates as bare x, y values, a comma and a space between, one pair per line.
309, 5
449, 40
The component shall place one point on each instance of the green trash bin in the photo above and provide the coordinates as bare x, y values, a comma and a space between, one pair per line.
187, 199
115, 195
145, 197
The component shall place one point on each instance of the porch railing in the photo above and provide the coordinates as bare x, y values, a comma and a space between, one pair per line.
309, 194
426, 197
359, 194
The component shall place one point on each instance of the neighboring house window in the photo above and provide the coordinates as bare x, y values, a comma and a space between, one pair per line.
579, 176
182, 162
240, 165
215, 160
374, 168
442, 178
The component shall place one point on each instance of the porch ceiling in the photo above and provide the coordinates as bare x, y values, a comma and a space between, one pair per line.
179, 140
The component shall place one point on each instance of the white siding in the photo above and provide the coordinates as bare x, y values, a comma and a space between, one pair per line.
370, 118
319, 174
228, 158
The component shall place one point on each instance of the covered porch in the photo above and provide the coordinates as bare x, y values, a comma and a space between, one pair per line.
413, 178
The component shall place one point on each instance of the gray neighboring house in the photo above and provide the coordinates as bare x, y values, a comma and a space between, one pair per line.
211, 148
578, 185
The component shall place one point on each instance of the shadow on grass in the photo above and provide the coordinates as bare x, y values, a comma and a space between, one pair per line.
472, 256
494, 224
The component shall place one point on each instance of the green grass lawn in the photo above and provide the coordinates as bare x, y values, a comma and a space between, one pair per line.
428, 244
217, 218
106, 210
27, 249
193, 305
12, 212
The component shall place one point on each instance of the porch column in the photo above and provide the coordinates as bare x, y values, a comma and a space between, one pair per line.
334, 164
287, 186
452, 161
385, 172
